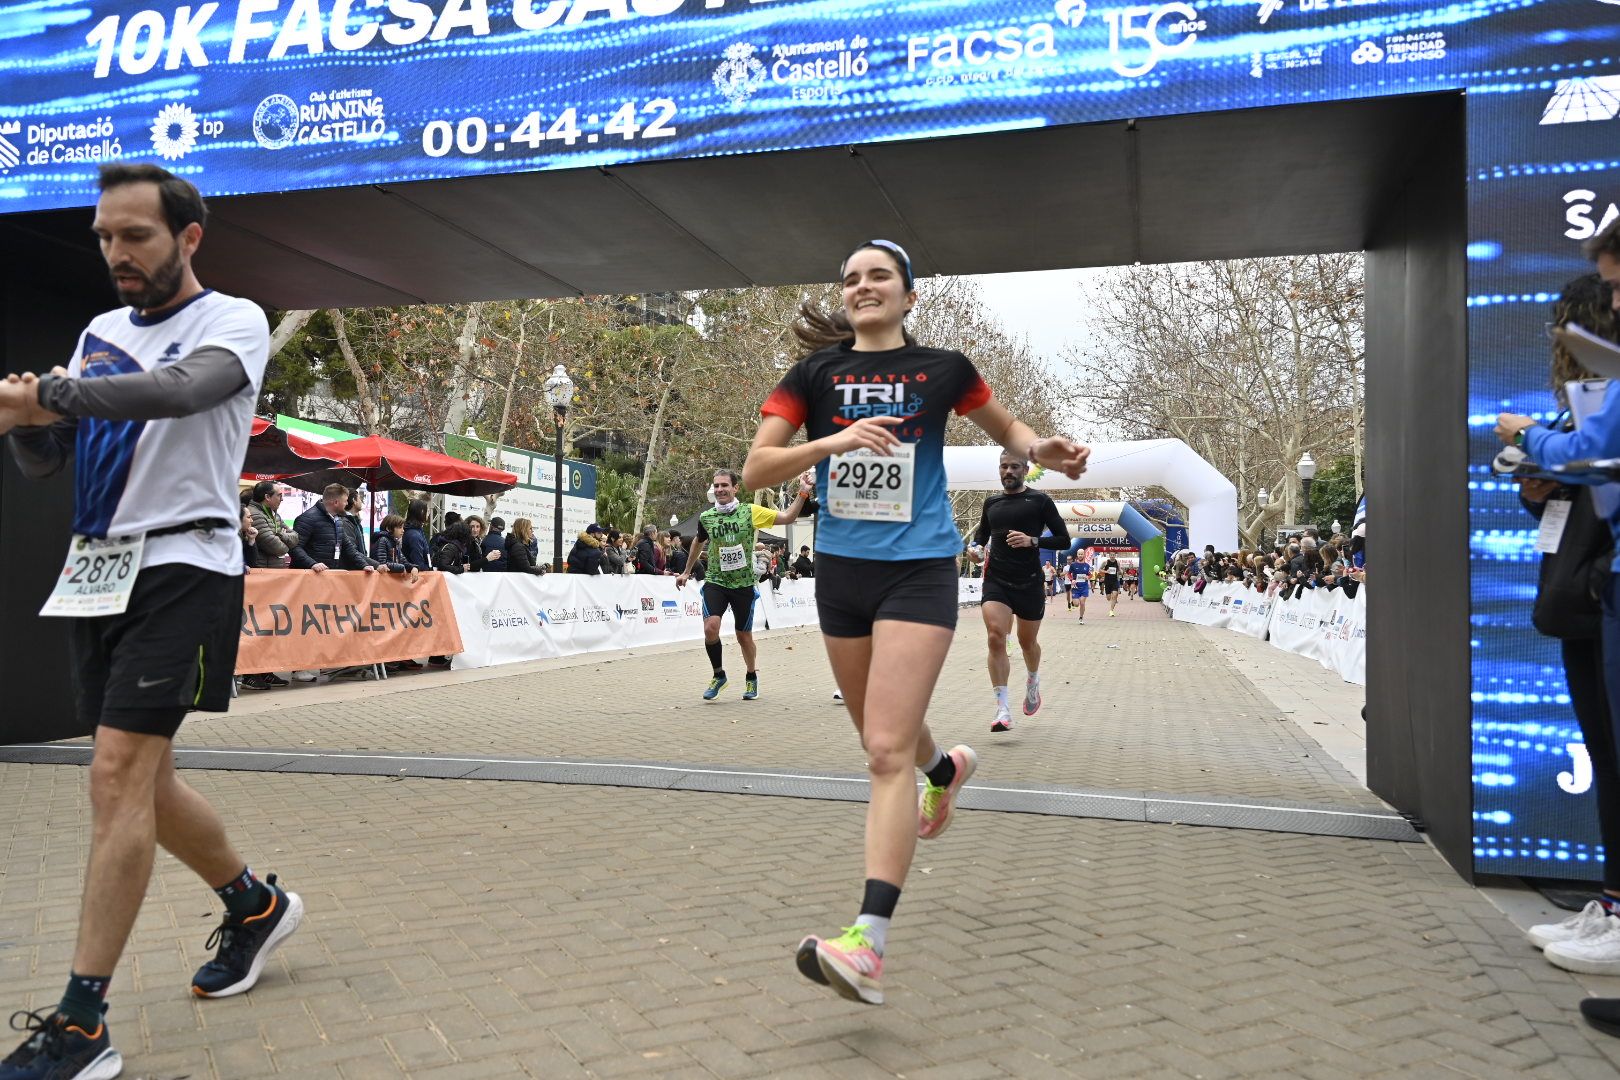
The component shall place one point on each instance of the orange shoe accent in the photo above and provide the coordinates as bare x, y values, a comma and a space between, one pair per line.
96, 1034
275, 898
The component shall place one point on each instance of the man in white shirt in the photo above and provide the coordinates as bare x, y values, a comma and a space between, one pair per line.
153, 411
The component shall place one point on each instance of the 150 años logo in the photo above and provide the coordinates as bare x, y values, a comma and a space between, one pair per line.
1139, 37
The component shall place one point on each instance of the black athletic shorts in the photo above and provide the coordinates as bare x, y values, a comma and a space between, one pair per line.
1028, 602
741, 601
852, 594
173, 650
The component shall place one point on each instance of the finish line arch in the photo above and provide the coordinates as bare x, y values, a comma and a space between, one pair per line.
1210, 498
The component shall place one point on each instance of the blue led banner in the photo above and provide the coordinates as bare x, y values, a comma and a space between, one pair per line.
273, 95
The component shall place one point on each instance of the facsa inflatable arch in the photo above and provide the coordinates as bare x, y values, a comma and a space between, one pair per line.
1210, 498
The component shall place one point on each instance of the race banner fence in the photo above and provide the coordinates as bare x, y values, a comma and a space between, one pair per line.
1323, 624
296, 620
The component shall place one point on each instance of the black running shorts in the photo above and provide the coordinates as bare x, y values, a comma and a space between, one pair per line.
173, 650
852, 594
716, 598
1028, 602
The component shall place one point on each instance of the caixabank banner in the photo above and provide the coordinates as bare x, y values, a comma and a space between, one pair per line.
246, 96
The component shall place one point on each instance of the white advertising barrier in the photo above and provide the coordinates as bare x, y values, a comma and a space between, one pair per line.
506, 618
794, 604
1323, 624
969, 591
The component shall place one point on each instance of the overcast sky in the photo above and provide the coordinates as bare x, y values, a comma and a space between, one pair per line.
1046, 305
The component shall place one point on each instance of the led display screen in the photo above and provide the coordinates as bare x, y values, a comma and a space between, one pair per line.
275, 95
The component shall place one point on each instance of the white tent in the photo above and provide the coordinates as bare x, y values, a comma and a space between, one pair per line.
1210, 498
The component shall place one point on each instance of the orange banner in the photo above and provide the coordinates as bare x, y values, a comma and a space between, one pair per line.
295, 620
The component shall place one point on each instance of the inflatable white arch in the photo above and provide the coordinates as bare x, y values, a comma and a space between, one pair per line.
1210, 498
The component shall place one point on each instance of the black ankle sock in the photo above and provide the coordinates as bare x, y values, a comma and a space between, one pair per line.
942, 774
81, 1003
244, 895
753, 674
880, 898
713, 649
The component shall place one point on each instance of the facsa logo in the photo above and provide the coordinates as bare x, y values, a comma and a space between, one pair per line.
1576, 101
1071, 13
1581, 205
976, 48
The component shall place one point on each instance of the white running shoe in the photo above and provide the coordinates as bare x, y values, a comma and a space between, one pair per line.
1032, 695
1596, 955
838, 695
1003, 720
1590, 921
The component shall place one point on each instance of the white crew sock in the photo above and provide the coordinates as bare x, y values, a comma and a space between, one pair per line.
1001, 697
877, 928
1034, 680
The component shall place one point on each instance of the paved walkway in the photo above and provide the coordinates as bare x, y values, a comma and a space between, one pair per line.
485, 929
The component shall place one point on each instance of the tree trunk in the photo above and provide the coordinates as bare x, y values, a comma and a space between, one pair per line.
362, 385
652, 452
506, 413
291, 322
455, 413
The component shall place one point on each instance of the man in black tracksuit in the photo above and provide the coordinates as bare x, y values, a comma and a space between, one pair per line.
1011, 525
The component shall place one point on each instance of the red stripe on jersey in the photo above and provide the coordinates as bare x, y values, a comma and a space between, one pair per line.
976, 397
786, 405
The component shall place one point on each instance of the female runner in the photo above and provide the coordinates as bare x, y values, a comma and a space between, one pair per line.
874, 404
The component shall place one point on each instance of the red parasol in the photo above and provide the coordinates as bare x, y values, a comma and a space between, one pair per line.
274, 454
385, 465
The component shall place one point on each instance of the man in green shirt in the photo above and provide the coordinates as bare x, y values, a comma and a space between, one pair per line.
731, 525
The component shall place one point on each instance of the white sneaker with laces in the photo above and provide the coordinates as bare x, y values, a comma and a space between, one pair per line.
1595, 955
1590, 921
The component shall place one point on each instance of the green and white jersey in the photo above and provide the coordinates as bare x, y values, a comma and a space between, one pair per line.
731, 542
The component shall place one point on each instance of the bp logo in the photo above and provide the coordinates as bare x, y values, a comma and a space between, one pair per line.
740, 74
1035, 473
275, 122
174, 131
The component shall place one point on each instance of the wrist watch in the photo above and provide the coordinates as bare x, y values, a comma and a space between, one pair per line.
1518, 437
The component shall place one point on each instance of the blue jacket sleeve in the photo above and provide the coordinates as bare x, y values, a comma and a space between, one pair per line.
1599, 437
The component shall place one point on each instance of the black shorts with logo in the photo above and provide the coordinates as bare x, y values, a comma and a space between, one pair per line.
171, 651
741, 601
1028, 602
852, 594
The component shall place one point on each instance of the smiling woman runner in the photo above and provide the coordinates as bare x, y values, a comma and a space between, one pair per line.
874, 404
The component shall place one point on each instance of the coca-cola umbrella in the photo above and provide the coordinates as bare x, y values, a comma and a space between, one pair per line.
387, 465
274, 454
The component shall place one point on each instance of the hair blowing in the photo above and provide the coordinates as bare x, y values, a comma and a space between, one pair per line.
817, 329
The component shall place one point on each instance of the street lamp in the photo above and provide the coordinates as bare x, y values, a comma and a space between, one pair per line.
1263, 497
560, 392
1307, 472
1334, 528
673, 521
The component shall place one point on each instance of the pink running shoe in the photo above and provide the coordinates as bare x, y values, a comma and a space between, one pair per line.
850, 966
934, 806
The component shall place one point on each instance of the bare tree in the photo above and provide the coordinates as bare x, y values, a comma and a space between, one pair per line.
1251, 363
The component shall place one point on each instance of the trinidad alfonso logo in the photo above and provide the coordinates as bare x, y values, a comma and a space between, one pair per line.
174, 131
740, 74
